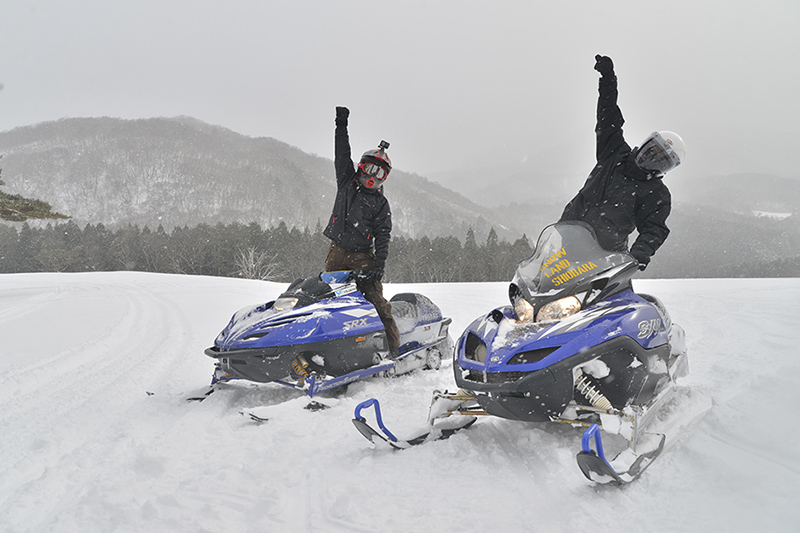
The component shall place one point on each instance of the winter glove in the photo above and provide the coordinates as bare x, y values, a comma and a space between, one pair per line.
641, 257
604, 65
374, 275
342, 113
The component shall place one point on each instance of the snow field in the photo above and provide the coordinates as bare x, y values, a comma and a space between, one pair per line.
96, 435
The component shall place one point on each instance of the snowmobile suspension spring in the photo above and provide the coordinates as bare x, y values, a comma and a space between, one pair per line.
592, 393
300, 366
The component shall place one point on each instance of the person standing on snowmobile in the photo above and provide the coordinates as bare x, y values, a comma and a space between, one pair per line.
361, 222
625, 190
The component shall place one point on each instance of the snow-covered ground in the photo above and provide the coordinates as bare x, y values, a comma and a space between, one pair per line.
96, 435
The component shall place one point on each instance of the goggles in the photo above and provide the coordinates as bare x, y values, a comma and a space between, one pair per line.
373, 171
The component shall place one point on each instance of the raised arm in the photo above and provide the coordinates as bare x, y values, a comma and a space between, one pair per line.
343, 162
609, 115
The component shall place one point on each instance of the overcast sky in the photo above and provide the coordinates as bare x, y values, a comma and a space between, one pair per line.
450, 84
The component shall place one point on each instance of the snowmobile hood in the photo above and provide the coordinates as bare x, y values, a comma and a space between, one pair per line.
499, 342
263, 326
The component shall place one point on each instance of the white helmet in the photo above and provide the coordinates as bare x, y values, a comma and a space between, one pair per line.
661, 152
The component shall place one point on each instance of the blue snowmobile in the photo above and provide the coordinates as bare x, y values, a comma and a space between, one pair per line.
321, 333
578, 346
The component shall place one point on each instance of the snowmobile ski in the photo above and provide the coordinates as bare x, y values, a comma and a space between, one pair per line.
203, 397
254, 417
596, 467
372, 435
219, 376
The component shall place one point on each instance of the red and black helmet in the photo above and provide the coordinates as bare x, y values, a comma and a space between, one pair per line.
374, 167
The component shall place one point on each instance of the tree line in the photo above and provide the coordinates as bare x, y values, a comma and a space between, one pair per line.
277, 253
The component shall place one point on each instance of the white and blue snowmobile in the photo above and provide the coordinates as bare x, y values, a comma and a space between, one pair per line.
577, 346
321, 333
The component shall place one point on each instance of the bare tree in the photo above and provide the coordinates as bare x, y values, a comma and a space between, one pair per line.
254, 264
17, 208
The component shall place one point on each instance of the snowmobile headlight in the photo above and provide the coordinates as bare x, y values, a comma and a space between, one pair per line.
285, 303
559, 309
524, 310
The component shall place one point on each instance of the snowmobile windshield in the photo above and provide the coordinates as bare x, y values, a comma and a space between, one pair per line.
566, 256
304, 292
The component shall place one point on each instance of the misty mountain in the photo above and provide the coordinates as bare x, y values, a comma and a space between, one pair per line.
544, 176
530, 184
760, 194
180, 171
723, 226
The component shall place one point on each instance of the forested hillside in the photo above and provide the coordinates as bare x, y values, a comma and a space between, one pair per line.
179, 172
179, 195
236, 250
283, 254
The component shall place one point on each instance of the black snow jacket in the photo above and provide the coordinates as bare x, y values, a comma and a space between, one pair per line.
361, 219
618, 196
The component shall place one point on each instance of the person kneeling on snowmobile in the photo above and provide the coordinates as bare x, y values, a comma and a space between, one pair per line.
625, 190
360, 225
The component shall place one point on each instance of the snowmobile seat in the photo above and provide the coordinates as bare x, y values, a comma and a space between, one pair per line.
409, 297
404, 306
423, 309
403, 309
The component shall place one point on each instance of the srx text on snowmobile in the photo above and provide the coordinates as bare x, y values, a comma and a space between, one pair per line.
578, 346
321, 333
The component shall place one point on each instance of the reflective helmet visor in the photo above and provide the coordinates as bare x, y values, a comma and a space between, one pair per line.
657, 154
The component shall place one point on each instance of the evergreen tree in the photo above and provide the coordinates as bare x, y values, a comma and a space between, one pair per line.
27, 248
470, 245
53, 254
97, 244
126, 249
493, 258
448, 265
8, 245
470, 258
155, 250
318, 248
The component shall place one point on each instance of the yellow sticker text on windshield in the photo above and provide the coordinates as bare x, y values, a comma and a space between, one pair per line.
550, 264
573, 272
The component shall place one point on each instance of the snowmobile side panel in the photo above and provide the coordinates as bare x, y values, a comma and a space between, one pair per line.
333, 357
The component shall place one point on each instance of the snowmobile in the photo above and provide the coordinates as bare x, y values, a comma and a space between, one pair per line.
578, 346
321, 333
